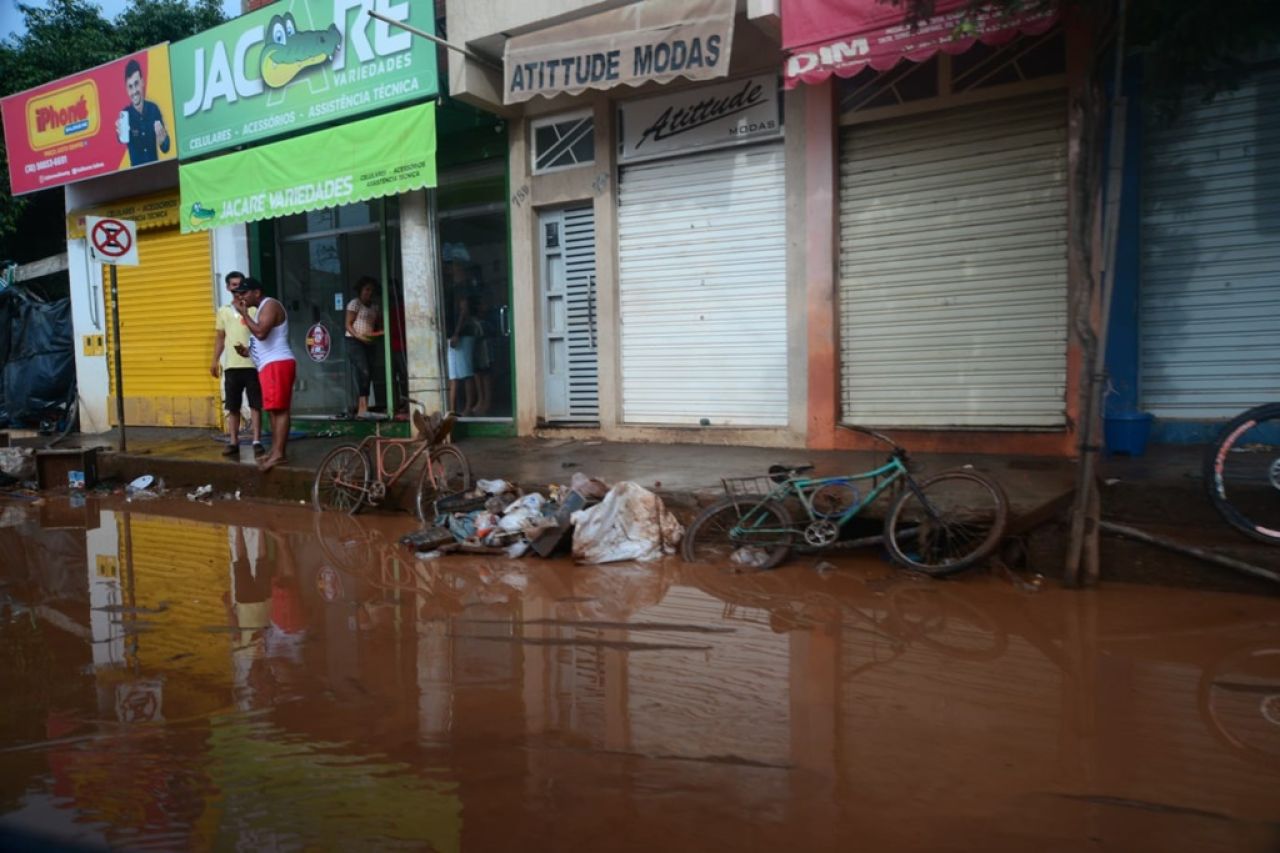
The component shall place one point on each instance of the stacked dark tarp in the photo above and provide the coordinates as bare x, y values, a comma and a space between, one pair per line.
37, 360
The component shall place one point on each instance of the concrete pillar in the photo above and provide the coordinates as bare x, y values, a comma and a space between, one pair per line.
88, 319
423, 315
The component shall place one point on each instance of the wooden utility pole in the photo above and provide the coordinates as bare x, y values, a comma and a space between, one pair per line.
1083, 548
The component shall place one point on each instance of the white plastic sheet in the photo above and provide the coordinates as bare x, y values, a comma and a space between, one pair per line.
631, 523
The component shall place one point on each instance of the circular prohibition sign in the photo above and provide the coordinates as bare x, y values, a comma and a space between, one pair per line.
111, 237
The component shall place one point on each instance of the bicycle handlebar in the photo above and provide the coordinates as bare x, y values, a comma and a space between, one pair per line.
878, 436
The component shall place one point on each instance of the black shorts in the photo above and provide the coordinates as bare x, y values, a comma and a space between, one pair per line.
239, 382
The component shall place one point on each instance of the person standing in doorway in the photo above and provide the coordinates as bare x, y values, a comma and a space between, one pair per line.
364, 326
269, 349
484, 355
461, 326
239, 376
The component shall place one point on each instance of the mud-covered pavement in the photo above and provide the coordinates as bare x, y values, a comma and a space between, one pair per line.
175, 676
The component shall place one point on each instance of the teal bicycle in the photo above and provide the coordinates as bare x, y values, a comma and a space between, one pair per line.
939, 526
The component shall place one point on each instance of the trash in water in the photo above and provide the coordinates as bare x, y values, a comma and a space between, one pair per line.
631, 523
496, 518
751, 556
494, 487
428, 538
143, 488
75, 480
823, 567
518, 517
589, 487
533, 502
548, 539
18, 463
429, 555
202, 493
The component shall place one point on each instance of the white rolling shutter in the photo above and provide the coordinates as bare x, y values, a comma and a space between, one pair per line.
703, 291
580, 287
1210, 254
953, 267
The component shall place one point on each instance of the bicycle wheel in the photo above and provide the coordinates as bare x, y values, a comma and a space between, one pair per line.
1242, 473
947, 623
946, 523
342, 480
763, 539
1239, 699
446, 472
344, 542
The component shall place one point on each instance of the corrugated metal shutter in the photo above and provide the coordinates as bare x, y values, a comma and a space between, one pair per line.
953, 267
582, 325
186, 565
166, 327
702, 257
1210, 253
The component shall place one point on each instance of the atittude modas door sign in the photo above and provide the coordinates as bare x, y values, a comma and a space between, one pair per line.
735, 112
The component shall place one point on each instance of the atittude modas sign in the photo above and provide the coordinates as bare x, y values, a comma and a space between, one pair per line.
656, 40
735, 112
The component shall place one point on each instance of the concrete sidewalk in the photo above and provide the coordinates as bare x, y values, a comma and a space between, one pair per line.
685, 472
1162, 492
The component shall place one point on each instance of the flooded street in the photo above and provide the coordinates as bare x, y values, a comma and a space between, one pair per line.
178, 676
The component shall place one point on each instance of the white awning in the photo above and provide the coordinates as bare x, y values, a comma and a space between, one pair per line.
651, 40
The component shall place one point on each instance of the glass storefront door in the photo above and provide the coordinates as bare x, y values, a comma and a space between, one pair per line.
321, 255
476, 301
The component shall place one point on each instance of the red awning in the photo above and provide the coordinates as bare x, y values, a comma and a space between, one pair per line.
842, 37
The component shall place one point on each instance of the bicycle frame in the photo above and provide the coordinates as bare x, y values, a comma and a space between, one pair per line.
380, 444
804, 487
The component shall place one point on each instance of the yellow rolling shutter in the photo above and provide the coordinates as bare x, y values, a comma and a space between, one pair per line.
166, 328
186, 565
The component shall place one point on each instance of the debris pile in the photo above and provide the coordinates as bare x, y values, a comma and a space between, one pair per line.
625, 522
18, 463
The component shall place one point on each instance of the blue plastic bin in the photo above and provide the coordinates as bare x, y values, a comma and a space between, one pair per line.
1127, 434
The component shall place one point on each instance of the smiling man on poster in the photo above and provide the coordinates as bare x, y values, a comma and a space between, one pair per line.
141, 124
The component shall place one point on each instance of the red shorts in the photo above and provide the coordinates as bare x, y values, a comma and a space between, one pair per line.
277, 385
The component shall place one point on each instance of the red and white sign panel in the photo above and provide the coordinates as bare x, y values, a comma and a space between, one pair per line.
842, 37
112, 241
319, 342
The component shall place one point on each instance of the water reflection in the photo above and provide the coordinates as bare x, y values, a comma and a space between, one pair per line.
297, 680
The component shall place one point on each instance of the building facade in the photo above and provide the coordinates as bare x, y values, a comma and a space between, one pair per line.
656, 292
894, 254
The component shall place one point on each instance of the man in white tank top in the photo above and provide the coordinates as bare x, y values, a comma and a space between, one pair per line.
269, 349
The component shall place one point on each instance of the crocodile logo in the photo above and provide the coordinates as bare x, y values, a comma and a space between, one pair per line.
290, 52
200, 216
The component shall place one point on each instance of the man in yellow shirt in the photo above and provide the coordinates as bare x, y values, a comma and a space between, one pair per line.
239, 376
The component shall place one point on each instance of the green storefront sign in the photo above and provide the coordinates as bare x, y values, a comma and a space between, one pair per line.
370, 158
295, 64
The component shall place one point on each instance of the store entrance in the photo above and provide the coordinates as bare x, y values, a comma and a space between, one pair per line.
322, 254
476, 300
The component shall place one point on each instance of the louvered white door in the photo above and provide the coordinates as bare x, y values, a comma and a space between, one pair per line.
702, 261
570, 321
1210, 255
953, 267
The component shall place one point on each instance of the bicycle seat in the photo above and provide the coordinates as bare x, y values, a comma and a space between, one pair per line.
779, 473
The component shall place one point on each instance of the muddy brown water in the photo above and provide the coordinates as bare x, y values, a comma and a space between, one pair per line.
179, 676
